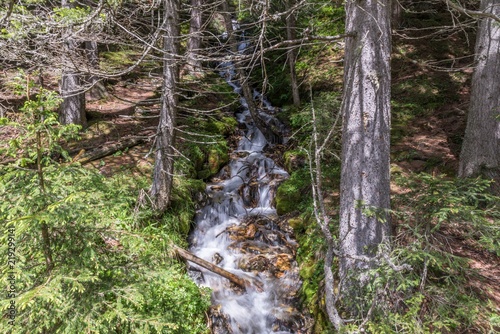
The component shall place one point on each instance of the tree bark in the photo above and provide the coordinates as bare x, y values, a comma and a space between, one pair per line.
481, 146
97, 90
165, 138
72, 109
365, 139
292, 54
194, 40
396, 14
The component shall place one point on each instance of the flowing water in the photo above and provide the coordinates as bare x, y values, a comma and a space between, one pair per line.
239, 231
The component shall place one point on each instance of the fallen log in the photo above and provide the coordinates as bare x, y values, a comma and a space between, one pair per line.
101, 152
241, 282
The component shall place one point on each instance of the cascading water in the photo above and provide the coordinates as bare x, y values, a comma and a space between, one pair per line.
239, 231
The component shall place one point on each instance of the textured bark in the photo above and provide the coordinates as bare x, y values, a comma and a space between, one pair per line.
97, 90
165, 139
72, 109
481, 146
396, 14
292, 54
194, 40
365, 138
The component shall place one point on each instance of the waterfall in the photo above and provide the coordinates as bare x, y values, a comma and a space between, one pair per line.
239, 231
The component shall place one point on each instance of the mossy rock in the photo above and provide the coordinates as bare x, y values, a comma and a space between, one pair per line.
307, 269
297, 223
185, 220
285, 203
217, 157
203, 174
225, 126
286, 200
99, 128
294, 160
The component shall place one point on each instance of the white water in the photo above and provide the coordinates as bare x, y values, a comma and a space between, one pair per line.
231, 200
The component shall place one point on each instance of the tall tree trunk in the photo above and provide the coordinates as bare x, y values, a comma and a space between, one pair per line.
396, 14
194, 40
72, 110
165, 138
481, 147
292, 54
365, 139
97, 90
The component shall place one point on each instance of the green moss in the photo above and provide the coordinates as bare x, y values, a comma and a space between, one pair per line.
225, 126
294, 159
217, 157
311, 272
117, 59
293, 193
297, 224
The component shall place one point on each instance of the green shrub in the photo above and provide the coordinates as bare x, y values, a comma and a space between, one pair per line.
85, 259
435, 296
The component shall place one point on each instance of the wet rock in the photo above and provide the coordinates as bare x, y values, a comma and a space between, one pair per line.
250, 231
239, 154
217, 187
252, 247
283, 263
257, 263
219, 322
217, 258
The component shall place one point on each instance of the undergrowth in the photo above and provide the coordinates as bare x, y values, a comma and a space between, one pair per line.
435, 296
84, 258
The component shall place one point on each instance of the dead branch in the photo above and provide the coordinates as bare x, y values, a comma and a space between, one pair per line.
472, 13
241, 282
87, 156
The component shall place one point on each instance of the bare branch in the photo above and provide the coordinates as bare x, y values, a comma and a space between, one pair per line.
473, 13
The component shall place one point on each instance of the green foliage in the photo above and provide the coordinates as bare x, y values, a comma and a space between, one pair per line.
291, 193
73, 15
435, 296
205, 145
326, 107
463, 204
111, 273
111, 267
40, 132
309, 256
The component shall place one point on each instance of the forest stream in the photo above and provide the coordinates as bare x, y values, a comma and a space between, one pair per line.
238, 230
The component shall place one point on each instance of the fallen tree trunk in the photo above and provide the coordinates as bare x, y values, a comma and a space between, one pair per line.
243, 283
87, 156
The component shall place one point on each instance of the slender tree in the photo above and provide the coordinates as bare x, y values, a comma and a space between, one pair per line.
292, 53
194, 40
481, 147
165, 137
364, 188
